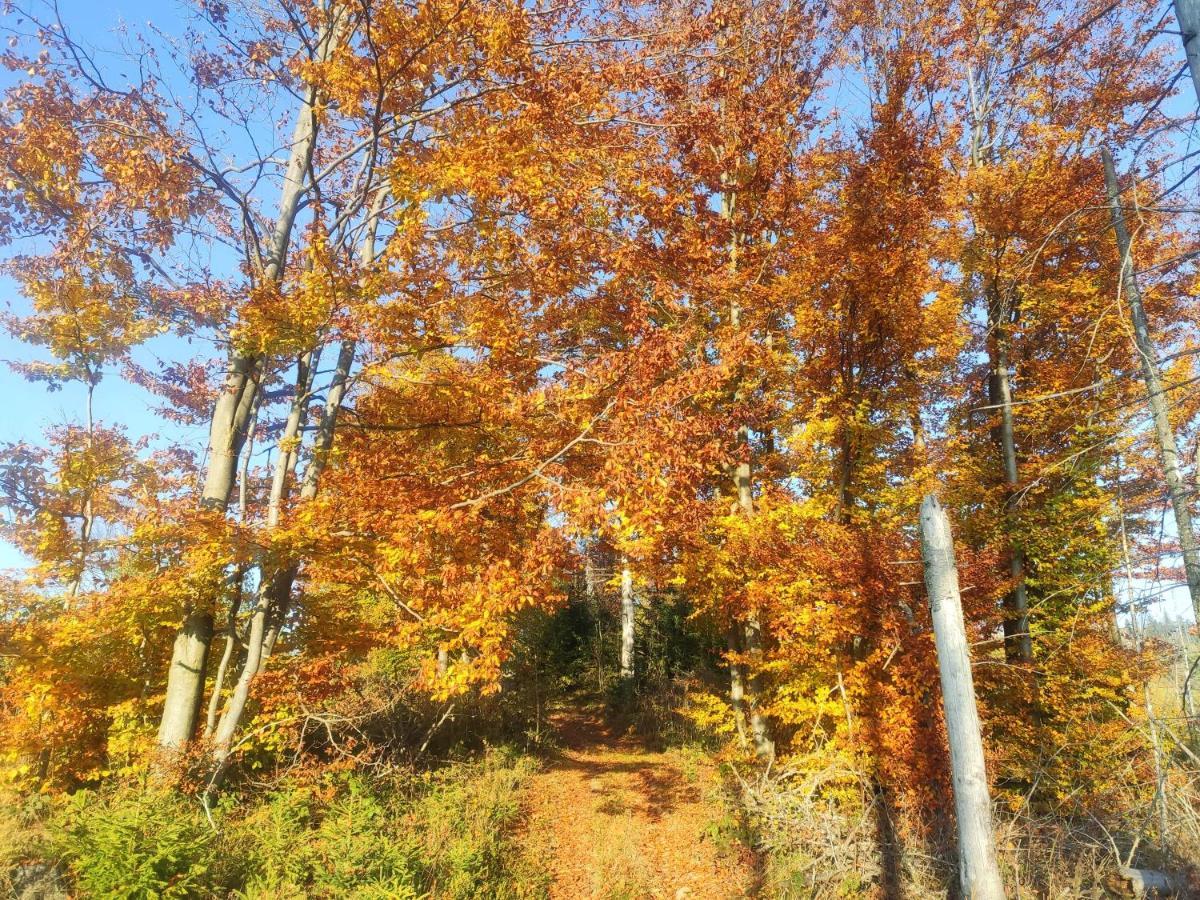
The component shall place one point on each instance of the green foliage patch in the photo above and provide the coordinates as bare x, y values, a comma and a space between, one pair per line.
413, 835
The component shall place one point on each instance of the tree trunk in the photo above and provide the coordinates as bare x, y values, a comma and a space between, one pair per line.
978, 870
270, 573
1018, 642
239, 395
1187, 702
232, 411
737, 683
322, 445
1187, 13
628, 623
232, 716
1156, 397
185, 682
214, 702
275, 593
751, 637
227, 434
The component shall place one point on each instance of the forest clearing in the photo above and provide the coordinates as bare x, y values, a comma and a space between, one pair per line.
603, 449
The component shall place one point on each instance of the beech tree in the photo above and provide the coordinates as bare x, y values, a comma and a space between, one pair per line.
725, 289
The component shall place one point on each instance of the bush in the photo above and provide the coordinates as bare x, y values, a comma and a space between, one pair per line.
466, 820
445, 833
135, 844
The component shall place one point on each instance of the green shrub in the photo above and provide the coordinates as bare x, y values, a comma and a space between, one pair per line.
269, 844
466, 819
446, 833
359, 851
135, 844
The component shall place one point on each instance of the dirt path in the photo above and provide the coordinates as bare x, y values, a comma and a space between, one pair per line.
610, 819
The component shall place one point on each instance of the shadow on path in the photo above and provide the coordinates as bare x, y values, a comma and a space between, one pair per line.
609, 818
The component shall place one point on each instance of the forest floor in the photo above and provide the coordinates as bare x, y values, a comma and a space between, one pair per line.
609, 818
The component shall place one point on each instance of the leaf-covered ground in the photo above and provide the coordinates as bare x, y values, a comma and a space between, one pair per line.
611, 819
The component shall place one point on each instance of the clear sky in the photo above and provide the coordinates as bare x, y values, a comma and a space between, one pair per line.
30, 407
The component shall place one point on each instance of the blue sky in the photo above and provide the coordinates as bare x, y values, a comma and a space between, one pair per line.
32, 408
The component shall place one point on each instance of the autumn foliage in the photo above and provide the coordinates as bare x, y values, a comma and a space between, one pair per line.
465, 291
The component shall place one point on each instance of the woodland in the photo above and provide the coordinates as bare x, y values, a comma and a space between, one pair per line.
551, 413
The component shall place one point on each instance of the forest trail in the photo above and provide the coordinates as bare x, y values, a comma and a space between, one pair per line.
611, 819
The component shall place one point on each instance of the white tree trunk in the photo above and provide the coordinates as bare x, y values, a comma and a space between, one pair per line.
978, 870
1164, 432
227, 433
185, 681
1187, 13
628, 623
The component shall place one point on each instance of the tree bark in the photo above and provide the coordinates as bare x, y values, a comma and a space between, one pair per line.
737, 683
628, 623
271, 574
1187, 13
1018, 641
978, 870
1156, 397
185, 683
751, 637
322, 445
214, 701
230, 420
1187, 702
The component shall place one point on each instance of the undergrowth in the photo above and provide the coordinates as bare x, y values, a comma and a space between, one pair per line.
446, 833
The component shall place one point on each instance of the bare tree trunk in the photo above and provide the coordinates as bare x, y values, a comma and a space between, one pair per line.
737, 683
322, 445
227, 433
1018, 642
1155, 395
231, 635
591, 596
760, 729
751, 638
628, 623
235, 605
289, 450
978, 870
1187, 702
232, 414
1187, 13
189, 658
185, 681
1160, 799
268, 588
232, 715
